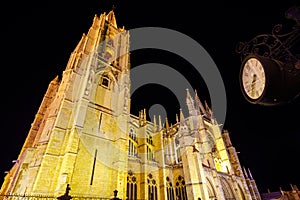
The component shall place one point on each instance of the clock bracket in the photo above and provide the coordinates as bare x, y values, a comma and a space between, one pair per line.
277, 45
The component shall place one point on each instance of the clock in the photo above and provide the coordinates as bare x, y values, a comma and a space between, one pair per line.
253, 78
261, 80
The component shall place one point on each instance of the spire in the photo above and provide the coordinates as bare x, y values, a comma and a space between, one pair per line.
208, 110
245, 172
145, 116
188, 95
56, 79
159, 122
281, 191
292, 187
199, 103
142, 117
177, 118
183, 125
250, 175
111, 18
75, 55
190, 103
167, 124
81, 43
154, 123
181, 116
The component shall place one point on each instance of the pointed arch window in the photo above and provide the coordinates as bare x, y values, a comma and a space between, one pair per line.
131, 190
150, 154
110, 42
180, 188
210, 189
132, 134
170, 189
227, 190
178, 153
241, 192
149, 139
105, 81
132, 149
152, 188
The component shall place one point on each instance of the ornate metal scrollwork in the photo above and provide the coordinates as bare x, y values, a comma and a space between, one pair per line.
276, 45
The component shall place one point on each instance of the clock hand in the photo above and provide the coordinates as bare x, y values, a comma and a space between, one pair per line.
253, 85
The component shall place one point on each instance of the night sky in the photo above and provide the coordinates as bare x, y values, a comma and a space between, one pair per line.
37, 39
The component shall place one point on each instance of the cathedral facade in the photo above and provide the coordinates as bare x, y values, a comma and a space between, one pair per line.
84, 136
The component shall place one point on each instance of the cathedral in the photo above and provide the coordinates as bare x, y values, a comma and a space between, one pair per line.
84, 138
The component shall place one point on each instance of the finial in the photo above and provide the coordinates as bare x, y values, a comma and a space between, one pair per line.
188, 95
56, 79
145, 118
154, 123
181, 115
167, 124
141, 117
159, 122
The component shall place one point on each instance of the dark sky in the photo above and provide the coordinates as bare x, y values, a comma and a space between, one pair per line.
38, 37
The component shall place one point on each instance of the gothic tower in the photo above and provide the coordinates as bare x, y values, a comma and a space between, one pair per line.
82, 121
84, 137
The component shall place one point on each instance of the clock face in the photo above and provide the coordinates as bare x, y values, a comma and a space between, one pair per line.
253, 78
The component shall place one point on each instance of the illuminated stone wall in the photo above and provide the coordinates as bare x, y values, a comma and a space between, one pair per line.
84, 135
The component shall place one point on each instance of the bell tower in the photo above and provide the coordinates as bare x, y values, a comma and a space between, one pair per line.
82, 121
83, 139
